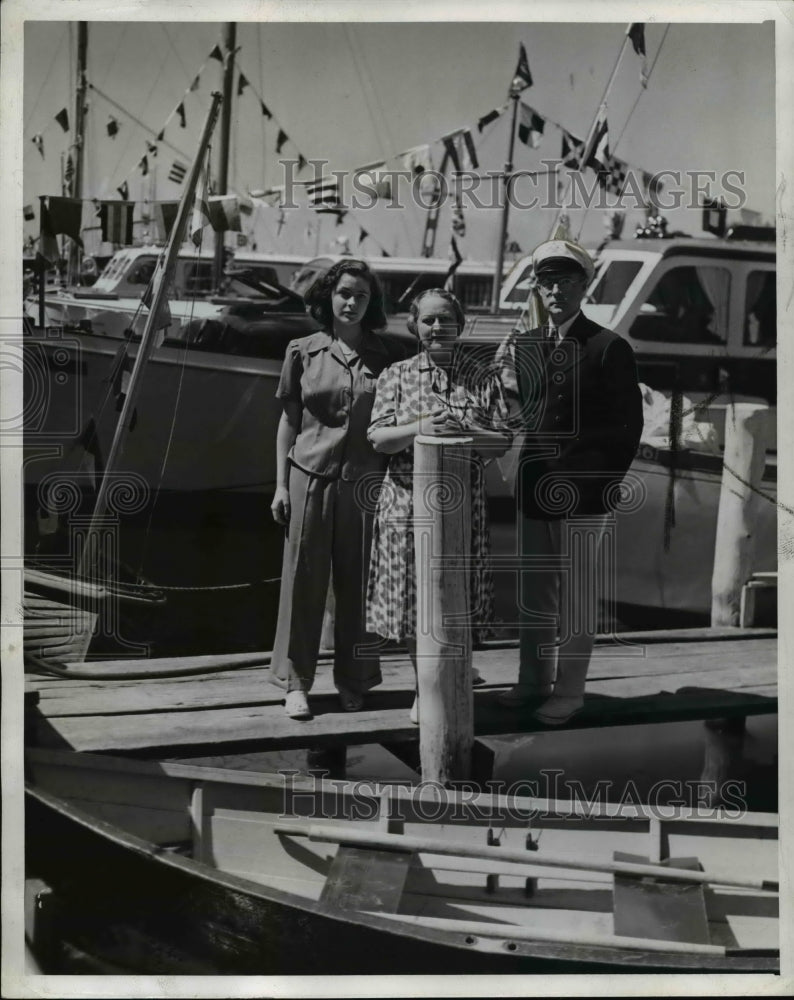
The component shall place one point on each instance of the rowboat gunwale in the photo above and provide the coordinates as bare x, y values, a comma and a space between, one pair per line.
438, 949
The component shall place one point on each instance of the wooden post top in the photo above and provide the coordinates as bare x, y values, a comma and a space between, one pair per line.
442, 439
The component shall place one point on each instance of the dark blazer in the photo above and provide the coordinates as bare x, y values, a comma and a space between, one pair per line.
581, 410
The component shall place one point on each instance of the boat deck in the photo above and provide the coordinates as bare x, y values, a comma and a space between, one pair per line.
649, 677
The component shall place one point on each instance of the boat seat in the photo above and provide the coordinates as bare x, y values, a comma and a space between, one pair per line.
366, 879
664, 911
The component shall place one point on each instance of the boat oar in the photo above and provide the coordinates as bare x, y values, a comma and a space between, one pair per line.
512, 932
401, 842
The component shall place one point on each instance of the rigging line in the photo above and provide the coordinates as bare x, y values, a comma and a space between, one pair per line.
111, 63
177, 398
132, 117
178, 57
359, 60
261, 88
53, 63
71, 85
642, 89
628, 118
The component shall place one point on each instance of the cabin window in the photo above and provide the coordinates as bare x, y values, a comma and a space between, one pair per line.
116, 265
399, 290
141, 272
688, 305
475, 291
614, 282
197, 277
760, 309
520, 290
306, 276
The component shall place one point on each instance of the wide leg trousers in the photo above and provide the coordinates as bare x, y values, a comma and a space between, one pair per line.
329, 535
558, 601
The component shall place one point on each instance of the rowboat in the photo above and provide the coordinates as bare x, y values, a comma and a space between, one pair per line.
164, 867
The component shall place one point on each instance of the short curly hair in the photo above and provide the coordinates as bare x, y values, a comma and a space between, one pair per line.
441, 293
318, 297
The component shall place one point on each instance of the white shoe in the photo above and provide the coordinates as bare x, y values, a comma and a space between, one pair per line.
558, 709
296, 705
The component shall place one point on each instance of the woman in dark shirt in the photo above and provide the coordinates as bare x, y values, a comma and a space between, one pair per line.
327, 389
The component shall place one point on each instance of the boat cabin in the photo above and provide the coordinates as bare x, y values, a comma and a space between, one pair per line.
699, 313
403, 278
270, 267
129, 272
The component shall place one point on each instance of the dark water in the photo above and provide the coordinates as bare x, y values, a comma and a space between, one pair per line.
656, 764
216, 558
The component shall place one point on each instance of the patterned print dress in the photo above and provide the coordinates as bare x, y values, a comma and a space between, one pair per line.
405, 391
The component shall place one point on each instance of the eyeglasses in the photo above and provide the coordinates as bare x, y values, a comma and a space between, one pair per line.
565, 281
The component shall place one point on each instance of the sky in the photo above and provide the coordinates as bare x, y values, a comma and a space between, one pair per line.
353, 93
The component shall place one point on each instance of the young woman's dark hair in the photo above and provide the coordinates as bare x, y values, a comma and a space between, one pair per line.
441, 293
318, 297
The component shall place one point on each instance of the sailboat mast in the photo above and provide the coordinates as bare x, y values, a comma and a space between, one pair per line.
229, 41
163, 276
76, 190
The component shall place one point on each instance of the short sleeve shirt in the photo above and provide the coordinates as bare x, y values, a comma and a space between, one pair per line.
336, 394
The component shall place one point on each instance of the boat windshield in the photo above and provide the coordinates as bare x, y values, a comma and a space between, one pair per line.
605, 295
517, 295
609, 288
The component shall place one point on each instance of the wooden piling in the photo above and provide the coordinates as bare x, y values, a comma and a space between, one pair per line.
442, 533
742, 472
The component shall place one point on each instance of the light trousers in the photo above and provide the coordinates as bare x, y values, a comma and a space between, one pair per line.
558, 601
329, 535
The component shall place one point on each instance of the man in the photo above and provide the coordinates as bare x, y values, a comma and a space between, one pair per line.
575, 394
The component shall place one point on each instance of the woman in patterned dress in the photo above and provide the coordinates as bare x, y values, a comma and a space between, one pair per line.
429, 394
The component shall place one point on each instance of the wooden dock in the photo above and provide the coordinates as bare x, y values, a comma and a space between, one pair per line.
649, 677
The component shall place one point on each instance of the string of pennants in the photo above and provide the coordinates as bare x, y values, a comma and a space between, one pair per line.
323, 193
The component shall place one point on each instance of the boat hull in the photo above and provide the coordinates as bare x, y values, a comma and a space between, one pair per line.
203, 422
123, 905
133, 903
199, 463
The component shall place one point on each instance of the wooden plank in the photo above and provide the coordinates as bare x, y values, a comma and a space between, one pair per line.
217, 690
255, 727
392, 671
175, 664
243, 708
266, 727
54, 630
733, 677
708, 633
252, 685
385, 720
105, 702
494, 655
168, 668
